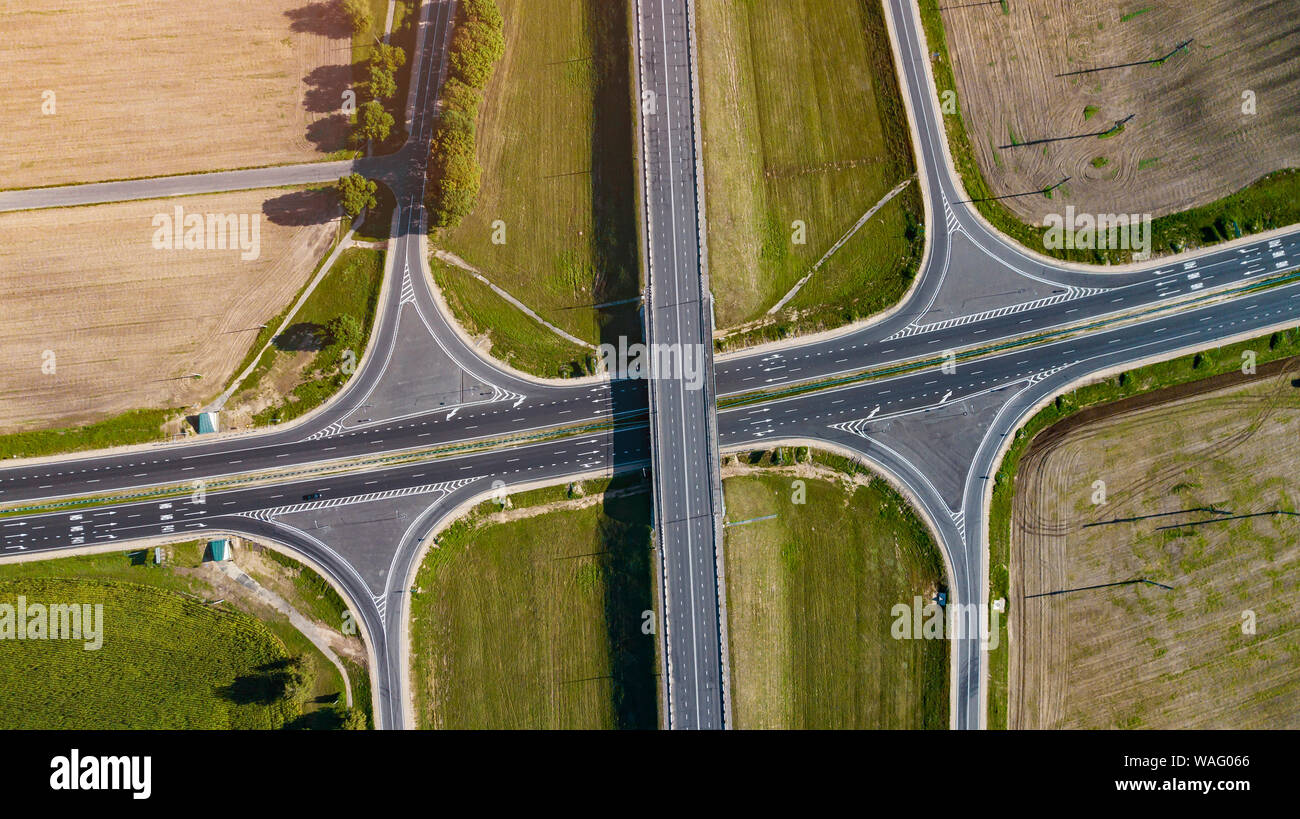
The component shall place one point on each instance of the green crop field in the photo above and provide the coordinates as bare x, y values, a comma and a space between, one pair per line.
809, 599
351, 288
803, 121
555, 141
536, 622
169, 658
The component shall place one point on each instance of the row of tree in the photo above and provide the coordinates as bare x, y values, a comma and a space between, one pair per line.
454, 172
374, 122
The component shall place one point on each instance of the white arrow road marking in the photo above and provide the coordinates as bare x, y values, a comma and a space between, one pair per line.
945, 396
874, 411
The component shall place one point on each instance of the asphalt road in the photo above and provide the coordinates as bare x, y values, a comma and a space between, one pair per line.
938, 433
678, 317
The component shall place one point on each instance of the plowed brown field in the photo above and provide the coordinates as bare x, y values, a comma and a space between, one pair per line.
127, 323
1188, 143
151, 87
1200, 497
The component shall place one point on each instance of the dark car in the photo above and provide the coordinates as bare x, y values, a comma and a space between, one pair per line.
311, 496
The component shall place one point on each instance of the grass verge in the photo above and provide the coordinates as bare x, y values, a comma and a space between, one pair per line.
334, 326
804, 132
555, 220
532, 617
515, 337
810, 594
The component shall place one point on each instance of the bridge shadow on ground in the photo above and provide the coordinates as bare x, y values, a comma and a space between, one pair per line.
627, 568
626, 557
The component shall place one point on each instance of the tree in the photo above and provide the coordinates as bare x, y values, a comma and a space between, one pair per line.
353, 719
484, 11
387, 56
382, 84
454, 135
356, 193
295, 679
475, 48
461, 98
376, 123
345, 332
454, 190
358, 12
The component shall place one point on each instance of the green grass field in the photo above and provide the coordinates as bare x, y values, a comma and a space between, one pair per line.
809, 595
803, 121
536, 622
555, 142
351, 288
515, 337
169, 658
134, 427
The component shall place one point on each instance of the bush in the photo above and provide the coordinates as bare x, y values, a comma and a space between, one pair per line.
376, 123
356, 193
382, 84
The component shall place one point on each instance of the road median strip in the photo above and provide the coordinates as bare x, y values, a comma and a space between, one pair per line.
250, 480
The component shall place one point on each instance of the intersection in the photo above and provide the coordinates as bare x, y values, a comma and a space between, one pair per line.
1033, 327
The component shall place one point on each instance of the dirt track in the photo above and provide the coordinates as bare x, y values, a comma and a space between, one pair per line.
127, 322
1139, 655
148, 87
1188, 142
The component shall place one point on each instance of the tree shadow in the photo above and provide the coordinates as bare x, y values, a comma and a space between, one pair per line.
322, 719
325, 87
331, 133
303, 336
613, 172
301, 208
325, 18
267, 686
627, 566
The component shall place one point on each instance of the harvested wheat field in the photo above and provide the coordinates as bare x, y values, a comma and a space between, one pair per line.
127, 324
1201, 499
149, 88
1188, 142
